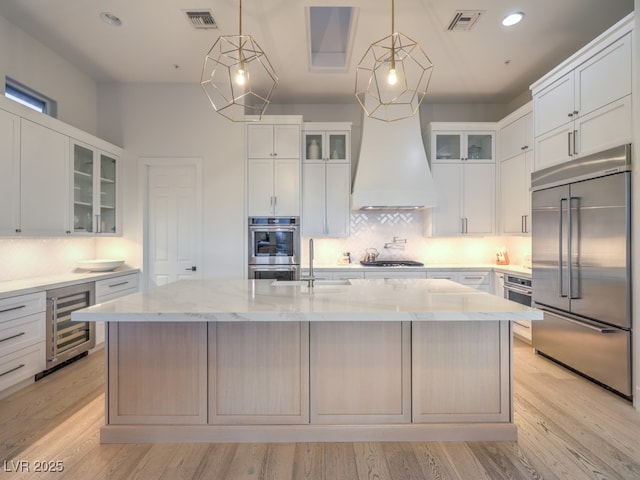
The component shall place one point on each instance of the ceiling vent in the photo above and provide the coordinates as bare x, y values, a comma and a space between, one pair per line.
464, 20
201, 19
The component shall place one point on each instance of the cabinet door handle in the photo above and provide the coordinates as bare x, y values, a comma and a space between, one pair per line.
462, 225
191, 269
575, 135
275, 205
569, 144
526, 224
11, 337
12, 308
12, 370
570, 114
117, 284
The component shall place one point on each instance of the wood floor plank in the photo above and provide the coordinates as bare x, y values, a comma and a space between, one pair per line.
568, 429
308, 463
371, 462
433, 462
402, 461
340, 461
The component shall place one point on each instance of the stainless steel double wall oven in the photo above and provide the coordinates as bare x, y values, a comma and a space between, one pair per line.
274, 248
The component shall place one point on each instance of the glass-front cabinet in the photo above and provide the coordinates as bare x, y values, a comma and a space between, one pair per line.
456, 146
326, 145
95, 191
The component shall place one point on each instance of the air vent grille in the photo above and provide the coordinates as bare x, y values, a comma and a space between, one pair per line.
201, 19
464, 20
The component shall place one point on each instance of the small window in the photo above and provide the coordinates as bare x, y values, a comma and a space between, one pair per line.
29, 97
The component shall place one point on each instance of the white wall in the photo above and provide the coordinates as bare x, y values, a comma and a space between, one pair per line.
176, 120
29, 62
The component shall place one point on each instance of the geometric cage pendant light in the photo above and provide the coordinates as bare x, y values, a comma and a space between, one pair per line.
393, 76
238, 77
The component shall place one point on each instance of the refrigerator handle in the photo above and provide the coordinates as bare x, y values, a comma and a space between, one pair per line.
560, 245
572, 231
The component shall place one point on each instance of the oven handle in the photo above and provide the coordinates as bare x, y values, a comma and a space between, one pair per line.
517, 289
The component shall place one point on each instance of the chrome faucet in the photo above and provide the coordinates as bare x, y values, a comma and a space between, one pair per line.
310, 278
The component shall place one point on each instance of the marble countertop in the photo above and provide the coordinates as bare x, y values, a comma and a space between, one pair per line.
23, 286
356, 266
262, 300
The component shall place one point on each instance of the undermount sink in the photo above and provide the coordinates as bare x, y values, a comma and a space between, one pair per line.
316, 283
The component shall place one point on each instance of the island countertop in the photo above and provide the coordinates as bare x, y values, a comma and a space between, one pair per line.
268, 301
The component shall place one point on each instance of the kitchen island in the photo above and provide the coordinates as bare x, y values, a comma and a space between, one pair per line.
258, 361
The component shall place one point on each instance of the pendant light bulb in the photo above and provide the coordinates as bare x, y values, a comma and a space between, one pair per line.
392, 78
240, 76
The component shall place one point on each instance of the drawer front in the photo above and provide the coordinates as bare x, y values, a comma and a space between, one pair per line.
22, 306
21, 365
122, 285
474, 279
453, 276
21, 332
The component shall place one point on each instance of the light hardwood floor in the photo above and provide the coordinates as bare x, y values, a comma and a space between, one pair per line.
568, 429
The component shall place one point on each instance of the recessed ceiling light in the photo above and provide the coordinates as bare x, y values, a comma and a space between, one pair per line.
110, 19
512, 19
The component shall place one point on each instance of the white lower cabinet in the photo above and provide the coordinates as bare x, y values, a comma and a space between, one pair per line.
110, 289
480, 279
389, 275
22, 337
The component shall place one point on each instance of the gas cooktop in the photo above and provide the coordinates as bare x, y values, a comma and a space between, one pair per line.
392, 263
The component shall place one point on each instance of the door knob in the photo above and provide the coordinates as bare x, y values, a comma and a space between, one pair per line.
191, 269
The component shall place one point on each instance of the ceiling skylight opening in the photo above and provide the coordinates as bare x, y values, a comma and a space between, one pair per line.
330, 38
512, 19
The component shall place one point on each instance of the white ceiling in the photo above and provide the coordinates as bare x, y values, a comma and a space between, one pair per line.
489, 64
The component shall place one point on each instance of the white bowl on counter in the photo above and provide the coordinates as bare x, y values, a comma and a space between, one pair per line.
99, 265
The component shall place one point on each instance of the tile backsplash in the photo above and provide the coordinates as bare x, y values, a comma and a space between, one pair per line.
38, 257
377, 229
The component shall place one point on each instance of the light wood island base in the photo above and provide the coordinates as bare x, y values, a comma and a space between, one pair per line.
304, 381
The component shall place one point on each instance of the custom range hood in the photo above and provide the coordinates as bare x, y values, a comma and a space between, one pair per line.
392, 172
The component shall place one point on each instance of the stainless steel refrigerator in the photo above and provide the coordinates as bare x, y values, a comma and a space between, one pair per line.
581, 258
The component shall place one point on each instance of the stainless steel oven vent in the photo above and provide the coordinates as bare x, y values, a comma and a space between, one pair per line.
464, 20
201, 19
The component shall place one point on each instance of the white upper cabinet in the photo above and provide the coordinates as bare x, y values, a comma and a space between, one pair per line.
584, 106
326, 172
273, 169
328, 145
273, 141
95, 191
516, 164
465, 199
463, 168
458, 142
9, 173
44, 181
50, 183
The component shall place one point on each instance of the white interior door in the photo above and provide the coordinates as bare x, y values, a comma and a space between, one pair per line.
173, 222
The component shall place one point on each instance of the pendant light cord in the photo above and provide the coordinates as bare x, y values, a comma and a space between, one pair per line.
393, 38
240, 18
